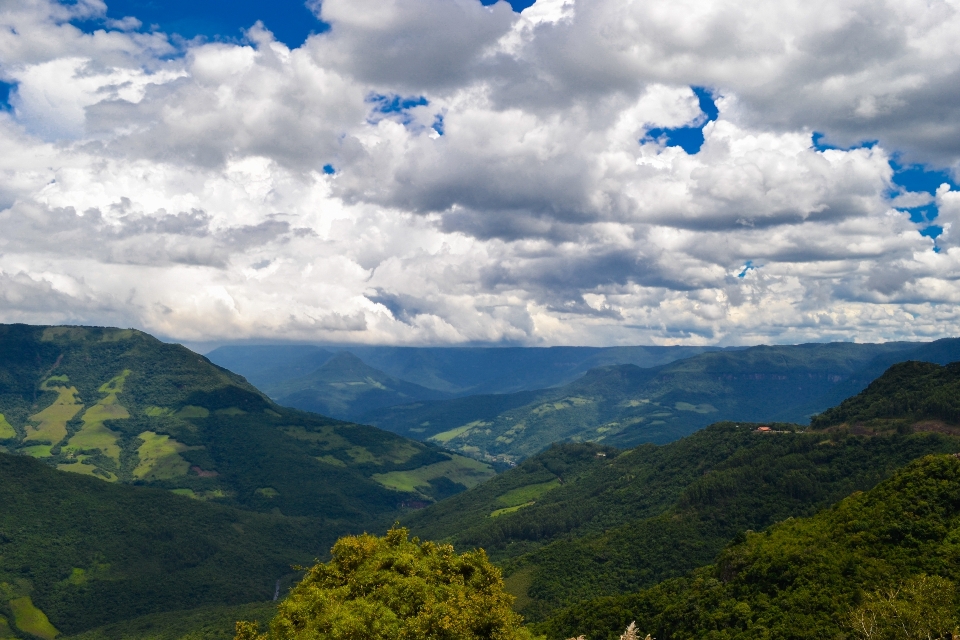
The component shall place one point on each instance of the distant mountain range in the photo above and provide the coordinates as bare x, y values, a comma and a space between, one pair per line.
623, 404
347, 388
454, 371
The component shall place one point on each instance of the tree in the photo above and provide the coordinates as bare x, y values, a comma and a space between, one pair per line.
391, 587
920, 609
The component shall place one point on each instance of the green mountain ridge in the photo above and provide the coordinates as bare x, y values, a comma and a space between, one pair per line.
266, 365
123, 406
619, 522
886, 558
344, 387
908, 393
458, 371
625, 405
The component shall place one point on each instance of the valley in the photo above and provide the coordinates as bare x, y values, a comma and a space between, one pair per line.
142, 475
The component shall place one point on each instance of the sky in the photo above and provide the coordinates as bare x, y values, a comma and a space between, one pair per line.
451, 172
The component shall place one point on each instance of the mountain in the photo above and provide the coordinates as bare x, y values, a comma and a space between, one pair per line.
344, 387
77, 552
943, 351
457, 371
124, 407
582, 520
624, 405
266, 365
466, 371
908, 395
879, 564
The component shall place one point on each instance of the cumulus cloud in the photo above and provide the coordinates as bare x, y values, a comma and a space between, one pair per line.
437, 171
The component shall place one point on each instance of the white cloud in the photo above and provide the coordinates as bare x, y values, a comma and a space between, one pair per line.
210, 191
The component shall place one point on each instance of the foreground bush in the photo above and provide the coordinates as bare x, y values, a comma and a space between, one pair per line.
395, 588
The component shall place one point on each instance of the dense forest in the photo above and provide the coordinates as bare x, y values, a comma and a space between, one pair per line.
87, 552
886, 557
585, 524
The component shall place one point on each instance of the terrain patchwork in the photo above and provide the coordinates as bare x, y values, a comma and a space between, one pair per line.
121, 406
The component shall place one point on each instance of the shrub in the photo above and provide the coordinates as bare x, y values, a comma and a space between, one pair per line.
391, 587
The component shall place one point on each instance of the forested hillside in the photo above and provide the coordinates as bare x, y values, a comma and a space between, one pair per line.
579, 520
906, 394
879, 564
122, 406
79, 552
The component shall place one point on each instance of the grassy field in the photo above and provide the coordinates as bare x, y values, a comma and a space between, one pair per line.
81, 466
160, 457
446, 436
500, 512
6, 429
527, 494
31, 620
51, 426
459, 470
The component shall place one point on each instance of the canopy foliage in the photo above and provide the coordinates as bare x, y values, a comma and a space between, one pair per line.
392, 587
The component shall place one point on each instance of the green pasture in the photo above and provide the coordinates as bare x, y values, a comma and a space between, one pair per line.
527, 494
328, 459
326, 437
114, 385
77, 577
447, 436
95, 435
160, 457
191, 411
87, 469
400, 451
697, 408
560, 405
31, 620
7, 431
38, 450
500, 512
458, 469
51, 422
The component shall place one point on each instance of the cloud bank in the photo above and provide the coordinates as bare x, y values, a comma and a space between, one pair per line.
442, 172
